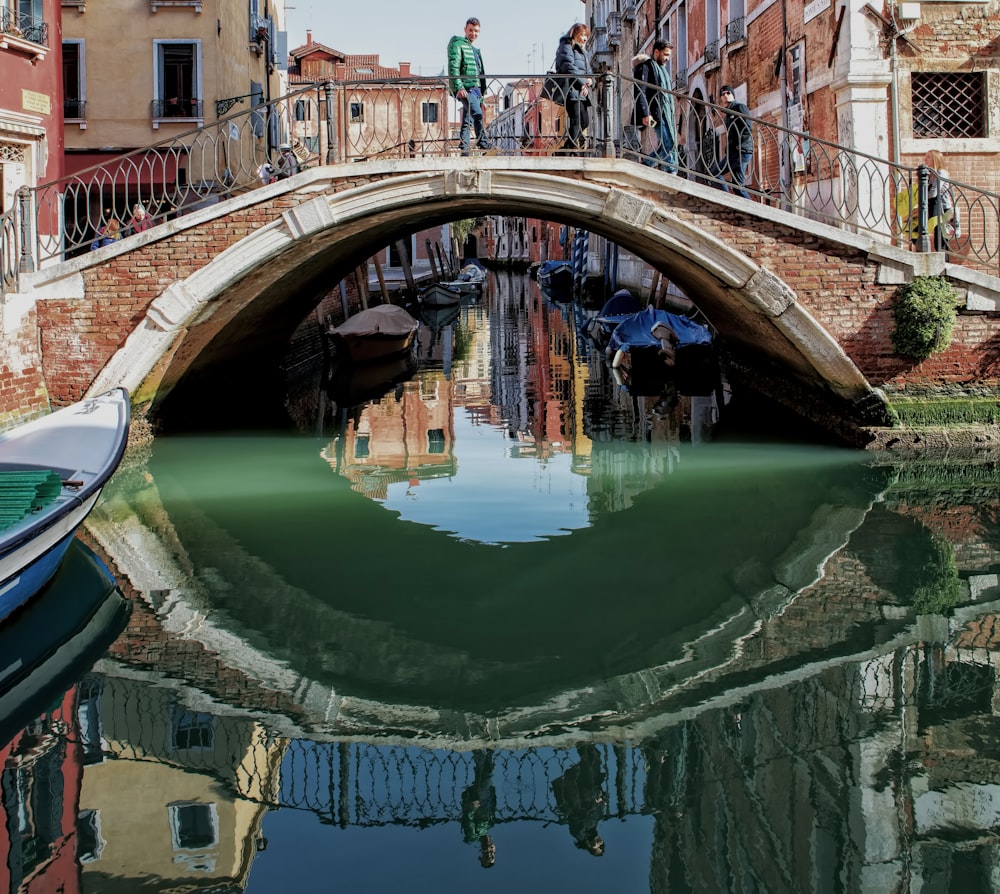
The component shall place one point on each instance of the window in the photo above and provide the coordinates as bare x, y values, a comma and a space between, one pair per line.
74, 104
357, 111
89, 841
177, 79
303, 110
429, 112
435, 440
23, 18
194, 827
89, 721
191, 730
711, 23
948, 105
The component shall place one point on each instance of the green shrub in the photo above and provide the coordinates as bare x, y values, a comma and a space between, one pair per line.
924, 313
939, 587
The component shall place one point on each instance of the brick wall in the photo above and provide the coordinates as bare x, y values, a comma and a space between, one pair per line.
23, 394
836, 284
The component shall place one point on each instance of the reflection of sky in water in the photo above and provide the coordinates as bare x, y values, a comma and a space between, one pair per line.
496, 496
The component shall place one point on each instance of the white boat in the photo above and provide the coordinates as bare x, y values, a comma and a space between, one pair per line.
439, 294
471, 279
52, 470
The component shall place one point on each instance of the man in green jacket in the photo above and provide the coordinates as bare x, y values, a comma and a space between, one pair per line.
468, 84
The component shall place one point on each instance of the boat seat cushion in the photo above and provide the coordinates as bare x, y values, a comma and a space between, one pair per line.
23, 492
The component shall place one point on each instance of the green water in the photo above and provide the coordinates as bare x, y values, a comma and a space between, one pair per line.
449, 640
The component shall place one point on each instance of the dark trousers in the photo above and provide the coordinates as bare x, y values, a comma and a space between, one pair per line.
578, 120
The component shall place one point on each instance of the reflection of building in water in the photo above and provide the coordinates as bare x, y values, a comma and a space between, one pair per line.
196, 785
40, 782
405, 438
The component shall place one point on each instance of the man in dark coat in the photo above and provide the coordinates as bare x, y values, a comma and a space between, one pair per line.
654, 104
739, 143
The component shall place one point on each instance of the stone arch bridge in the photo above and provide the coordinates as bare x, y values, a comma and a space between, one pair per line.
794, 300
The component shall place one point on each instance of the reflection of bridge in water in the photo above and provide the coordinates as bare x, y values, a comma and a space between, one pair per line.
871, 751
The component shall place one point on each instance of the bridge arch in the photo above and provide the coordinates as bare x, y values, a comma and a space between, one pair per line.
339, 217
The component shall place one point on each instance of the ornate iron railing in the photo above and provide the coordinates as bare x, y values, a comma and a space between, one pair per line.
177, 107
25, 26
75, 109
355, 121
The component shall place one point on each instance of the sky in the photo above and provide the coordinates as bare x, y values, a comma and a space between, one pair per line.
516, 37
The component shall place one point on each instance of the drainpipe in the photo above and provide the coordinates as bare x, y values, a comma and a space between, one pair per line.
786, 162
893, 86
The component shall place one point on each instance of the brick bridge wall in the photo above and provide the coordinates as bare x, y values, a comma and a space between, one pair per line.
839, 285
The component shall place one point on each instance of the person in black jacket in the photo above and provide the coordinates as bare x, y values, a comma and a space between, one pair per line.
571, 59
739, 144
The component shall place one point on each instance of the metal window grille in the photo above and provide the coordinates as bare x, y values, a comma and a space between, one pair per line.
712, 51
736, 30
948, 104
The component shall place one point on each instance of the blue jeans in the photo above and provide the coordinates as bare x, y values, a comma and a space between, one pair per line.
737, 168
472, 114
664, 156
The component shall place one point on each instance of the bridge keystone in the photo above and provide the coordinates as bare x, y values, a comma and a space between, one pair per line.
462, 182
172, 308
768, 294
309, 217
632, 209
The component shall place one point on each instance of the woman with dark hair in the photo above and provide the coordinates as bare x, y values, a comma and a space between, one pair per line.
571, 61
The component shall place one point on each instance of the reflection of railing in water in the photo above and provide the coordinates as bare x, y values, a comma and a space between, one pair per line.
370, 784
360, 784
348, 121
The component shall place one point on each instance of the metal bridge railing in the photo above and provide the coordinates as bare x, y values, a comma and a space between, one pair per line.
357, 121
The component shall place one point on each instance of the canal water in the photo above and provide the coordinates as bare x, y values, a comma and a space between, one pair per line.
502, 626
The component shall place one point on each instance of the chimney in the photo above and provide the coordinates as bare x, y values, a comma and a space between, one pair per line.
309, 38
404, 69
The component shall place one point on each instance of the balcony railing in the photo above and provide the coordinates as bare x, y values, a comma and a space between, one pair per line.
712, 53
177, 107
24, 26
614, 29
74, 109
792, 171
736, 30
154, 5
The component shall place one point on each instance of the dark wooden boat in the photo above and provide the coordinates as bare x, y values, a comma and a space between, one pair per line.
556, 277
375, 333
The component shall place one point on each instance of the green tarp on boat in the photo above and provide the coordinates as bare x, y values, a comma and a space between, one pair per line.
24, 492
